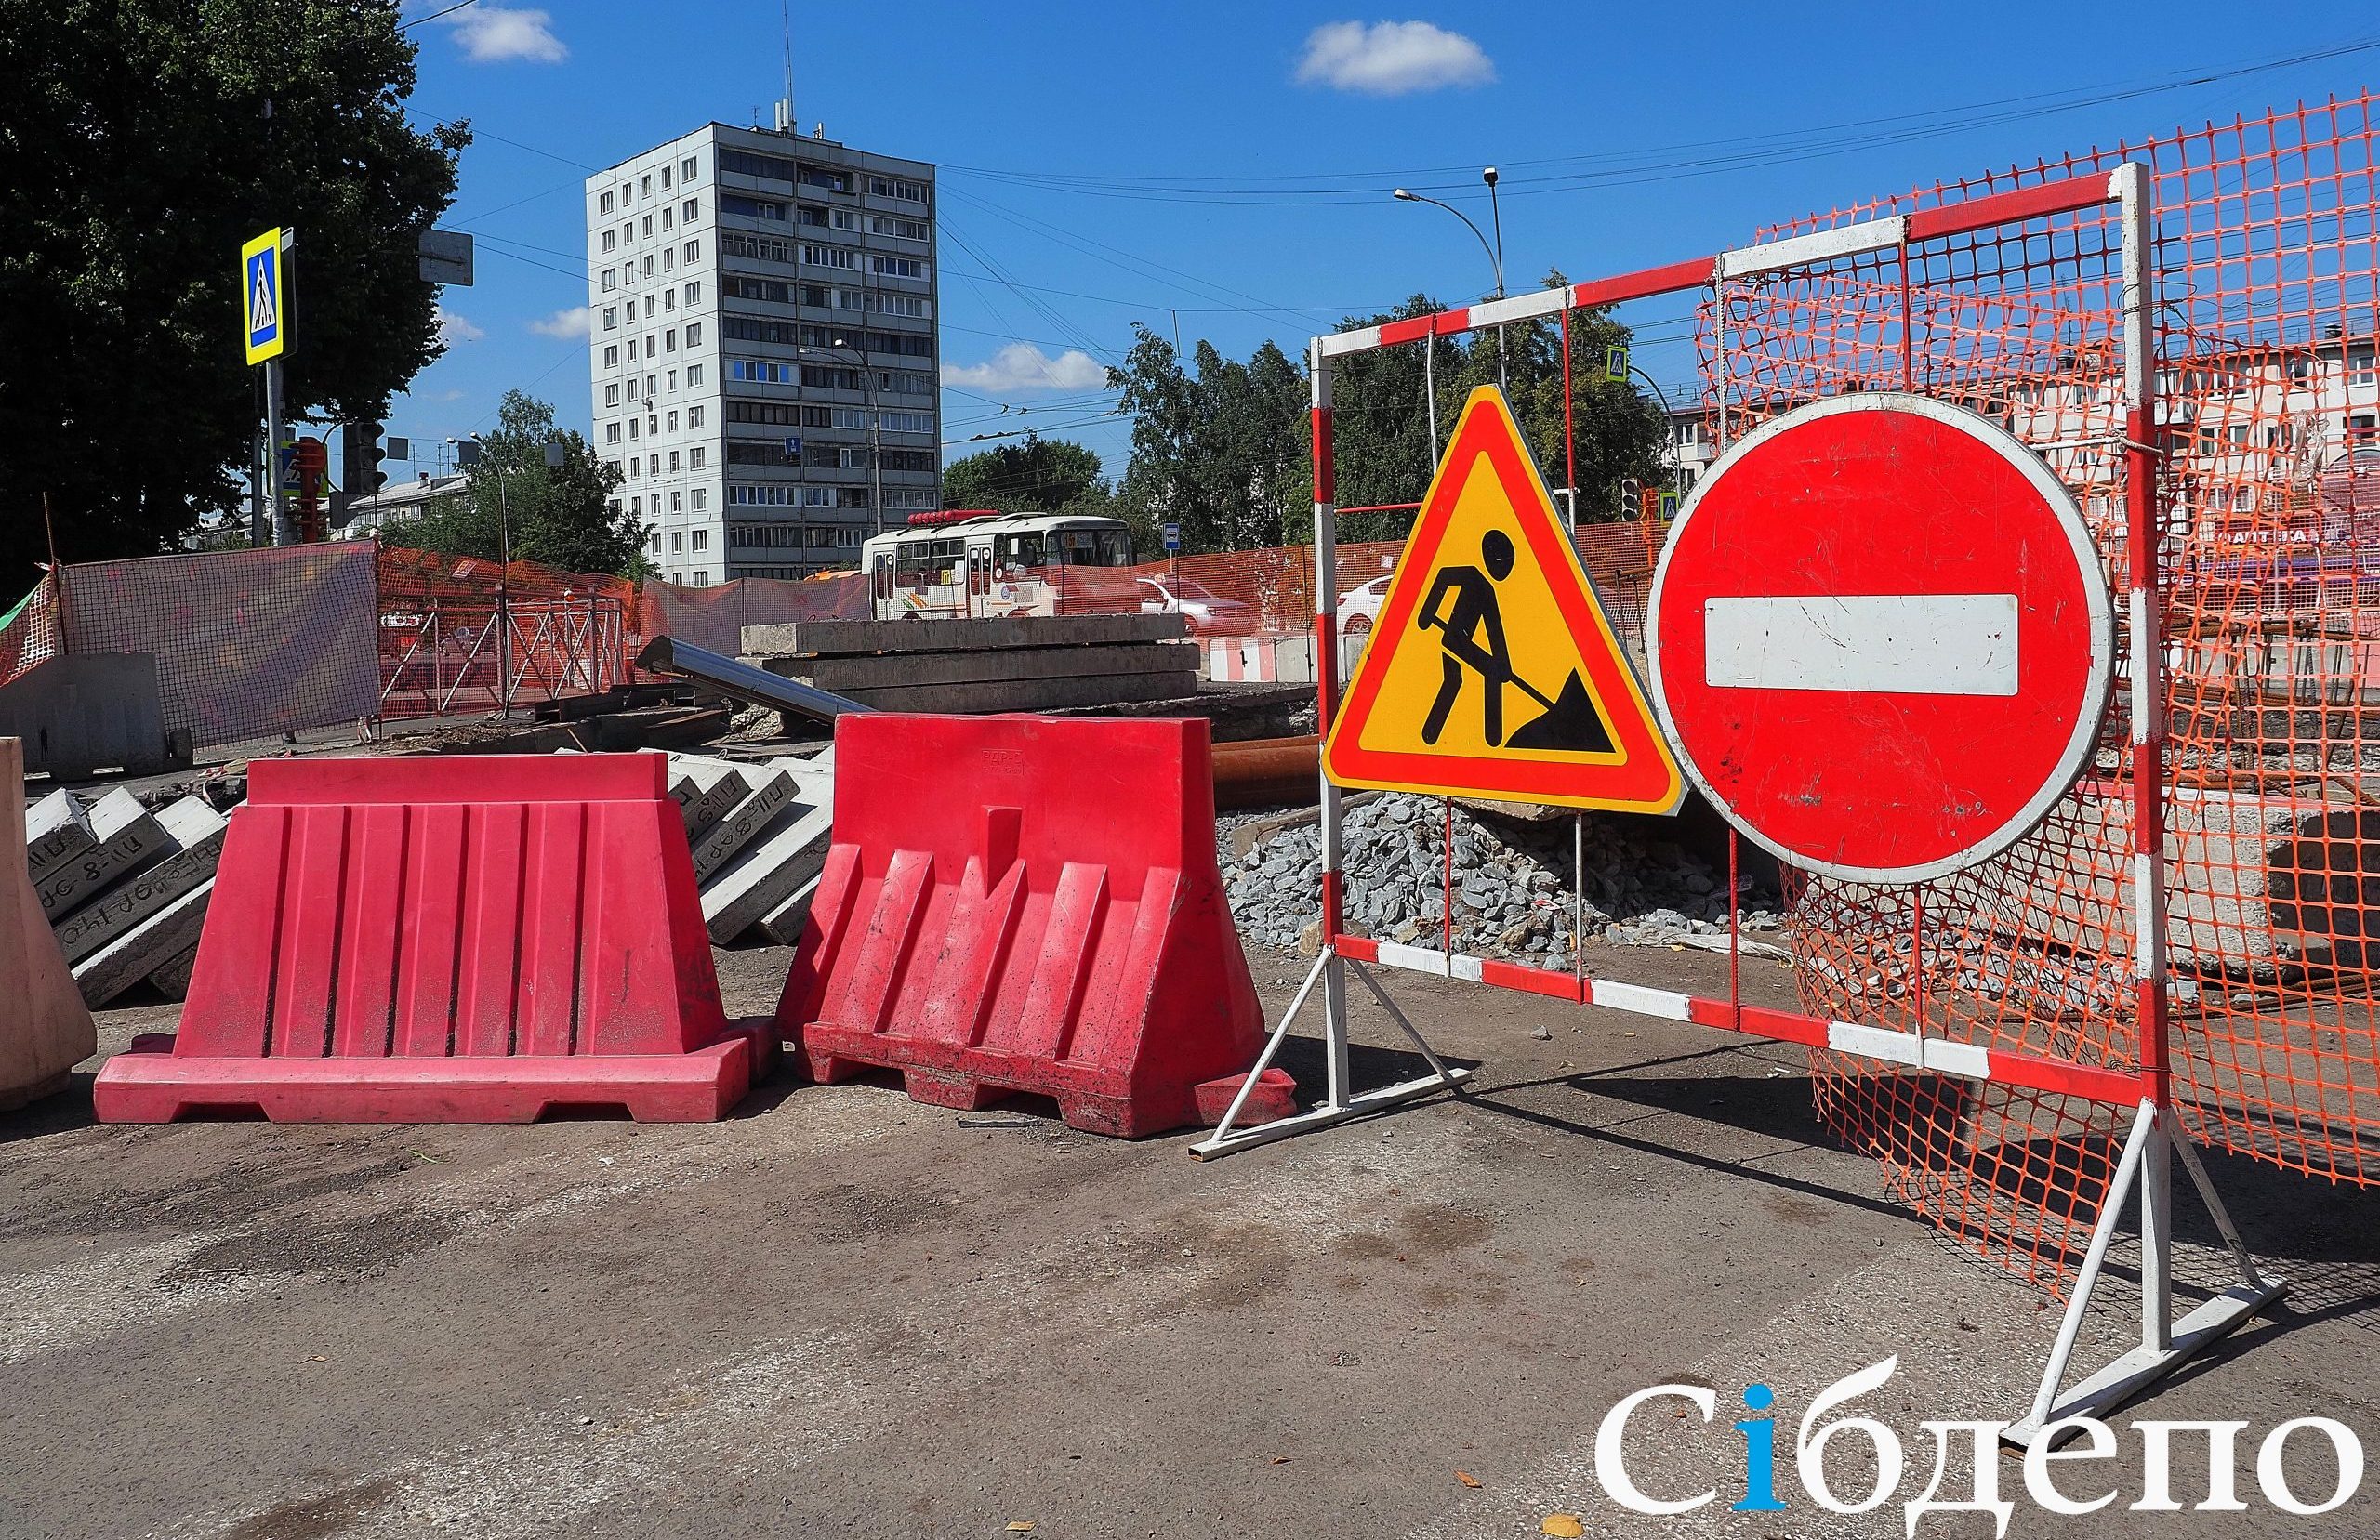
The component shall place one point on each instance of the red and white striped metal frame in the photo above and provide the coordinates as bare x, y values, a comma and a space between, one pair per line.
2165, 1343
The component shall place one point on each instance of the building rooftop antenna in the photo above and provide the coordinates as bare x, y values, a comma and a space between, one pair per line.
787, 121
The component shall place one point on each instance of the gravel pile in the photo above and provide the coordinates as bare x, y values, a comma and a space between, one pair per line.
1513, 888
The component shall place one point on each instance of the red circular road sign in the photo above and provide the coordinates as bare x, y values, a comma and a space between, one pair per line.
1881, 639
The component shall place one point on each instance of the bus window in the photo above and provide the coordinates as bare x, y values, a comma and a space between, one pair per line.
1020, 551
1115, 548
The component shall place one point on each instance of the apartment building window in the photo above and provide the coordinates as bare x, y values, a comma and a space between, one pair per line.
648, 387
626, 191
900, 304
611, 317
647, 184
821, 256
677, 542
649, 339
654, 546
627, 232
667, 252
611, 357
669, 299
751, 209
671, 380
607, 241
891, 187
611, 433
693, 291
702, 540
673, 461
669, 340
702, 577
693, 251
899, 266
611, 280
653, 465
819, 175
673, 422
694, 334
694, 374
694, 419
760, 248
665, 178
612, 394
686, 169
900, 229
689, 211
603, 204
632, 430
701, 496
632, 349
696, 455
2361, 364
674, 501
652, 429
648, 226
665, 218
632, 389
908, 422
648, 263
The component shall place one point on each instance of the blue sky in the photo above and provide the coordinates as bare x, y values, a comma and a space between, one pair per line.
1227, 167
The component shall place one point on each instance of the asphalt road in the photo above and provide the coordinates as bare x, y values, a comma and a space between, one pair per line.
843, 1314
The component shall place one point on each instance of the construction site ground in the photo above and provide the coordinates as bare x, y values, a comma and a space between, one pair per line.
843, 1312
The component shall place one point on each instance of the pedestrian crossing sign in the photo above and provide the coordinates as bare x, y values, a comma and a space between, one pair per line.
264, 298
1493, 670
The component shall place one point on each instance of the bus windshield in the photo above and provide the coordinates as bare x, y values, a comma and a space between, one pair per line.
1092, 548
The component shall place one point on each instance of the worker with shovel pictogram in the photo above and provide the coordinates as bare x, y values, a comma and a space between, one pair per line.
1472, 635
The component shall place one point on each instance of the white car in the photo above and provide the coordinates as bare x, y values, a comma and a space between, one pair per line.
1203, 610
1359, 607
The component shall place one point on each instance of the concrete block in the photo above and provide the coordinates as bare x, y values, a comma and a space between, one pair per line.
86, 712
827, 636
57, 830
171, 978
891, 670
148, 947
45, 1029
194, 834
718, 788
126, 836
788, 852
782, 925
744, 821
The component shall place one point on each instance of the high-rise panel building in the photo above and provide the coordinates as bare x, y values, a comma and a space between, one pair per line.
762, 348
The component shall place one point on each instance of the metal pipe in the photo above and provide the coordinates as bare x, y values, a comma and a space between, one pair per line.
741, 681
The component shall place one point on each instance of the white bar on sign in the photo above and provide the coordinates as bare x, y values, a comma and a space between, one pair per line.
1908, 644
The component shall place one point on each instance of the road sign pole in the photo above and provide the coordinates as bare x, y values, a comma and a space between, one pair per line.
276, 490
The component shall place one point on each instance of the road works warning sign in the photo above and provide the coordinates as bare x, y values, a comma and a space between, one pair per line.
1492, 670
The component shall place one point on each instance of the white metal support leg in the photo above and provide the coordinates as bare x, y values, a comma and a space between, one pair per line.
1338, 1103
2166, 1344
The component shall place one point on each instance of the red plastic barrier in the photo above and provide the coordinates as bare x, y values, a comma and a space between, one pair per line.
1026, 903
448, 941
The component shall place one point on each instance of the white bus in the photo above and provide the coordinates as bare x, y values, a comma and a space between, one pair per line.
976, 563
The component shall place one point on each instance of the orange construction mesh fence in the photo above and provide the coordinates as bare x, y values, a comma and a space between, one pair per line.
715, 616
2264, 263
2264, 256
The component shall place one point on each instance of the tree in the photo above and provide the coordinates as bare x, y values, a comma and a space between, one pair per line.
561, 516
1037, 474
136, 156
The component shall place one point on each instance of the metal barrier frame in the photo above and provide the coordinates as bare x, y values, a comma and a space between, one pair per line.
2165, 1343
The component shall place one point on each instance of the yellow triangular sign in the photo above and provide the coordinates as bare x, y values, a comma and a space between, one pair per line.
1493, 670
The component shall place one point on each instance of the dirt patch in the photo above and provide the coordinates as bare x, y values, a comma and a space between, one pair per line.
314, 1517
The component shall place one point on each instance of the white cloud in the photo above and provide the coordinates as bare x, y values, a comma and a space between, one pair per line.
1389, 58
490, 34
454, 328
1021, 366
563, 324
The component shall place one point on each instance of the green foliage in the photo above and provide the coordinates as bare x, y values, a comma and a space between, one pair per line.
1033, 475
1227, 450
562, 516
135, 159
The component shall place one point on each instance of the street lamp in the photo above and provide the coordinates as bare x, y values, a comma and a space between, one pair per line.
1495, 252
875, 422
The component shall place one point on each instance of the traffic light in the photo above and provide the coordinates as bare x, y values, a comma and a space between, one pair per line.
359, 454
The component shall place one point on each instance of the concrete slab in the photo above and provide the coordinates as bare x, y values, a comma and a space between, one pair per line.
194, 836
718, 788
148, 947
827, 636
896, 670
743, 822
58, 829
782, 925
126, 838
171, 978
1031, 695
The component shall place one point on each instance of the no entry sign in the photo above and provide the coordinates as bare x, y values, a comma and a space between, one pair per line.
1880, 639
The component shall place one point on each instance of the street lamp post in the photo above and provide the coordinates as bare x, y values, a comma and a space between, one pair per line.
874, 423
1495, 251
